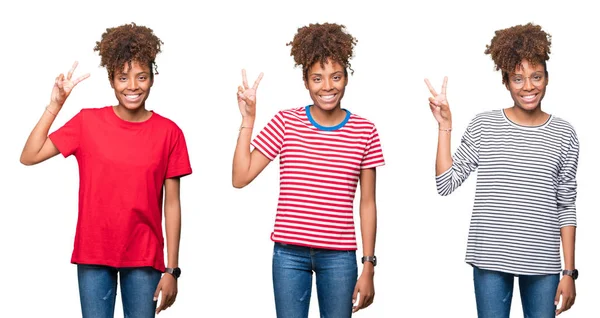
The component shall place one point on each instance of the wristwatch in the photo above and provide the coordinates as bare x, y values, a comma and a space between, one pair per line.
573, 273
372, 259
176, 272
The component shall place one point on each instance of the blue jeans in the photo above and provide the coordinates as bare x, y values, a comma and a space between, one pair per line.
98, 291
494, 290
336, 273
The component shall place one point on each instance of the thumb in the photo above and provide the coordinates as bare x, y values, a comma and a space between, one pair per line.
355, 294
157, 292
557, 297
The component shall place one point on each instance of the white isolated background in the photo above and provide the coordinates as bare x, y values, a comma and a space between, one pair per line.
225, 247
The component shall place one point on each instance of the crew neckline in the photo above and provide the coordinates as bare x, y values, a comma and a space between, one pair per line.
512, 123
327, 128
127, 123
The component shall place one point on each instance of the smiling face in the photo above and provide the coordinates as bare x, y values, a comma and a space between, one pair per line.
326, 84
527, 85
132, 85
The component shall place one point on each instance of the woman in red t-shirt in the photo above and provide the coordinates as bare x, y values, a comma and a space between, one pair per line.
126, 155
325, 152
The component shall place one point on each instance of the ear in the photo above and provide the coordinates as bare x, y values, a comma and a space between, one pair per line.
345, 80
112, 81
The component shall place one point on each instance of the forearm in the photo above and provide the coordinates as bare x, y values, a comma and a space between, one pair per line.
39, 135
173, 229
368, 228
567, 235
242, 155
443, 160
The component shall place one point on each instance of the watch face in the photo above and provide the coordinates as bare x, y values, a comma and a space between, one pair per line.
575, 274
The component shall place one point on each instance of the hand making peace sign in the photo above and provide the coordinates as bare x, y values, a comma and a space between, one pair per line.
439, 105
246, 96
63, 86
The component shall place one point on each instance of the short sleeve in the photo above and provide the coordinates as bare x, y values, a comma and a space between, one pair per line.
373, 155
179, 160
270, 139
68, 137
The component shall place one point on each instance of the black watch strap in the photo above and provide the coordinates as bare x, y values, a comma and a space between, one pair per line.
573, 273
176, 271
372, 259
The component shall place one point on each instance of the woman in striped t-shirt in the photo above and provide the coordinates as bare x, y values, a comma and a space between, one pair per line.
324, 152
526, 186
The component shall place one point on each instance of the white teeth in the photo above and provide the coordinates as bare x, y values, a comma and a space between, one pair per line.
132, 96
327, 97
528, 97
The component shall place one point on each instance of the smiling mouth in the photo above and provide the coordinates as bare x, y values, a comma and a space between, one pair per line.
328, 98
132, 97
529, 98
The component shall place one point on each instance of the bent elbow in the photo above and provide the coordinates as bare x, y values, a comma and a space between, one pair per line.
238, 184
26, 161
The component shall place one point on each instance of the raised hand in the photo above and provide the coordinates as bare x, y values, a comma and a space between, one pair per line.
246, 96
63, 86
439, 105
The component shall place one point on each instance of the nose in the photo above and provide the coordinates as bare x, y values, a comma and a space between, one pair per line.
528, 84
327, 84
132, 84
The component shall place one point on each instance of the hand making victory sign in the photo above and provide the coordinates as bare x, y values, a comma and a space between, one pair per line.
439, 105
63, 87
247, 96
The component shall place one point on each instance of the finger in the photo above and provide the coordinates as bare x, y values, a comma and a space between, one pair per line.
570, 301
364, 301
431, 89
72, 70
444, 85
167, 302
358, 305
240, 89
369, 300
156, 293
434, 101
80, 78
162, 304
260, 76
557, 297
434, 108
171, 300
59, 81
355, 294
243, 98
244, 79
562, 305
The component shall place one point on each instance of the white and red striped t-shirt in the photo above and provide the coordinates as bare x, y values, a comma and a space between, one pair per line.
319, 171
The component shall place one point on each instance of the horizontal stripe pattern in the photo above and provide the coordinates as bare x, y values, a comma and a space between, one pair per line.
525, 192
319, 173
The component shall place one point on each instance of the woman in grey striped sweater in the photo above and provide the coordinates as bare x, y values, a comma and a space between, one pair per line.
526, 186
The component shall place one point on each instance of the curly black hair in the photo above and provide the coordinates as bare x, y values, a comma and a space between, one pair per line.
510, 46
125, 44
319, 42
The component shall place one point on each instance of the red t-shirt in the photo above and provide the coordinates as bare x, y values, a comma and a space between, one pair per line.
122, 169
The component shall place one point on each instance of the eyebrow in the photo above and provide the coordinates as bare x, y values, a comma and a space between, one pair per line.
140, 73
319, 74
536, 72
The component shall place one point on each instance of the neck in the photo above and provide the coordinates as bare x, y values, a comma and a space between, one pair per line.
524, 117
327, 117
136, 115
